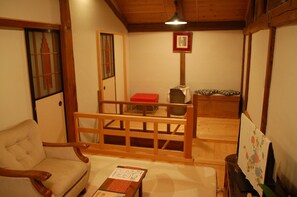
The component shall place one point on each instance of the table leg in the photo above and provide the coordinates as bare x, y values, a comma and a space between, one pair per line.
140, 190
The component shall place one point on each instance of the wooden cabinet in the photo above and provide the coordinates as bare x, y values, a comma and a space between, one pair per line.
233, 178
217, 106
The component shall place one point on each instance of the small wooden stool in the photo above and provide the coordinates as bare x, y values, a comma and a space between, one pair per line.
146, 98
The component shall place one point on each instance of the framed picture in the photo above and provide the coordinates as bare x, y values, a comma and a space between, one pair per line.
182, 42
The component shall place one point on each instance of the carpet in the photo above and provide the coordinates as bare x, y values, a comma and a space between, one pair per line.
162, 179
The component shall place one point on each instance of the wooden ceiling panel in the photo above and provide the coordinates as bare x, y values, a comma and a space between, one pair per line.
139, 18
137, 12
220, 14
225, 10
144, 6
145, 11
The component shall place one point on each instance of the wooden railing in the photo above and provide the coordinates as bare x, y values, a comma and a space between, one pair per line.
120, 128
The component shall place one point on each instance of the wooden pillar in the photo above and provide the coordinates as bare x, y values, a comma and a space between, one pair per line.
247, 75
188, 133
268, 77
195, 114
69, 84
182, 69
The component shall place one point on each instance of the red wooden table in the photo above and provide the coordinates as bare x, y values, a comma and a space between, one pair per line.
121, 182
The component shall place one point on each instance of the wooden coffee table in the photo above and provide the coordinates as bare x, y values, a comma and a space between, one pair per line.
124, 181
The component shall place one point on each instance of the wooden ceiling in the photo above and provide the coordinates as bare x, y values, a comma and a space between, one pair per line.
150, 15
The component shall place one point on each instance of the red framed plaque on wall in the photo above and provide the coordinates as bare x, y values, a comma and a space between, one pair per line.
182, 42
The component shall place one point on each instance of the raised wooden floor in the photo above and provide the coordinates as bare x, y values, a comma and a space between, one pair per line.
216, 138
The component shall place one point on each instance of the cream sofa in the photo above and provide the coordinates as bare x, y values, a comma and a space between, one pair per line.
29, 167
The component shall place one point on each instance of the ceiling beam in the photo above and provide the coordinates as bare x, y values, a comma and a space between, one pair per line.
11, 23
191, 26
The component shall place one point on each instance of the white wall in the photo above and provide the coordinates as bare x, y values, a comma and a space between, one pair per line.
87, 17
282, 113
46, 11
153, 67
257, 75
15, 98
215, 62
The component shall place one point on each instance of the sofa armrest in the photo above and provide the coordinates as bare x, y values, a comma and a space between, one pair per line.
66, 150
36, 177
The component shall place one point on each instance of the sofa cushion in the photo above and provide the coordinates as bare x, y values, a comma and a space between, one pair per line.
65, 174
21, 146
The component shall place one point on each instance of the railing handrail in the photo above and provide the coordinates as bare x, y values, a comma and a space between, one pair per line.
131, 118
144, 103
187, 121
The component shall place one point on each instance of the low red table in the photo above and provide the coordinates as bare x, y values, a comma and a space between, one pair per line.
145, 98
125, 181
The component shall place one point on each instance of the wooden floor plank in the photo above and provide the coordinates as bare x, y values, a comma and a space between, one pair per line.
216, 138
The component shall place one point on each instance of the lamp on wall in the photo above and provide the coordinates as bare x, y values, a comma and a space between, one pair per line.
176, 19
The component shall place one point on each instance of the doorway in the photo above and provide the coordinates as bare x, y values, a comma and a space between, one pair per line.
45, 74
111, 69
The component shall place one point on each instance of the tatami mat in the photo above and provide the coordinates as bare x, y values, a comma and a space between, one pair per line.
162, 179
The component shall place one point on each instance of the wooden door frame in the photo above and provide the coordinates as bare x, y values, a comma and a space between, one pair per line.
99, 66
30, 72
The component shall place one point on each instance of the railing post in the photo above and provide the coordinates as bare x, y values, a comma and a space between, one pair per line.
144, 114
121, 112
188, 133
127, 134
156, 144
100, 107
195, 105
100, 130
168, 116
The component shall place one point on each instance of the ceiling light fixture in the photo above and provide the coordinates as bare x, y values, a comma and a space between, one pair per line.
176, 19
